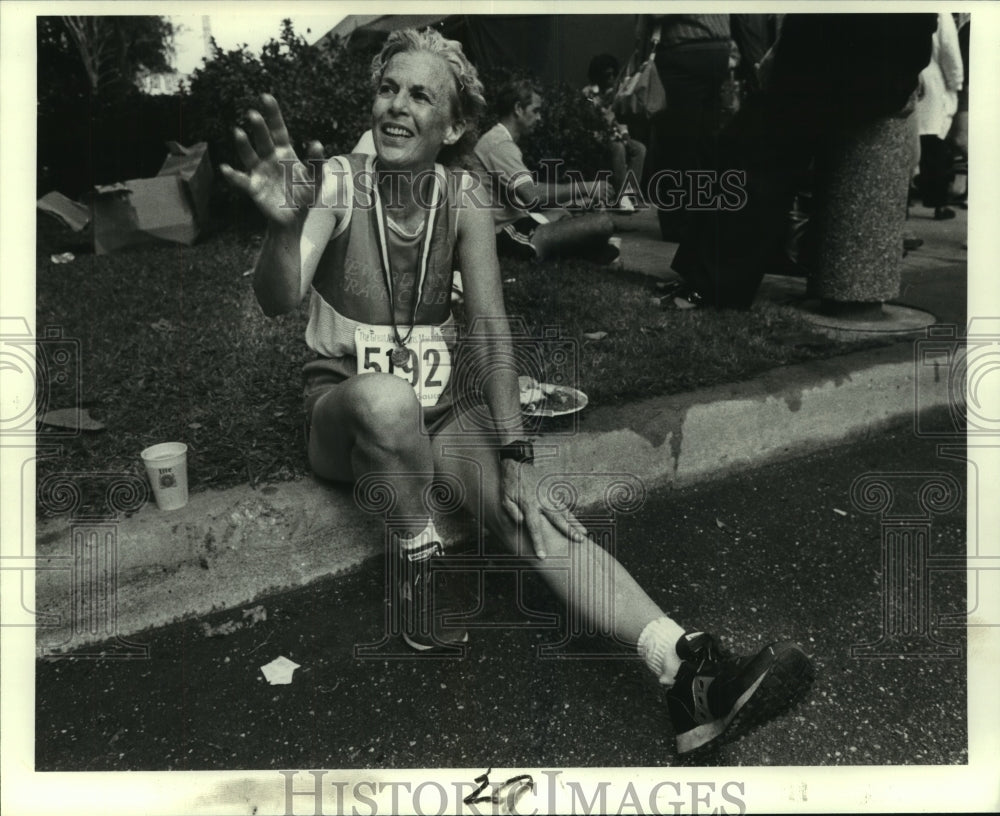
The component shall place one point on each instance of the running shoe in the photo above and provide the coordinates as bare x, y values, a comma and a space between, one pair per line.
421, 611
717, 695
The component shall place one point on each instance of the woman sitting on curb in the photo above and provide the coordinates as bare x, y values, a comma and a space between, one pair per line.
373, 242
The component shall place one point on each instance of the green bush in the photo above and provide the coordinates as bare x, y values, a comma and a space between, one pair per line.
324, 94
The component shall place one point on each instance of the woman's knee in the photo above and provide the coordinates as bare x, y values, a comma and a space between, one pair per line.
378, 405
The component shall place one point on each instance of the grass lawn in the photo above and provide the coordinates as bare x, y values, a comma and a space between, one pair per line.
174, 347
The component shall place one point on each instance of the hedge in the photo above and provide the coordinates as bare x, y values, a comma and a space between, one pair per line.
324, 94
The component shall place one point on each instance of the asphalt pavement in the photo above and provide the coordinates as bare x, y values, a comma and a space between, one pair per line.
781, 551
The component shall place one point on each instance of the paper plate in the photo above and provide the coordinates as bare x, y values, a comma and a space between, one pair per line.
547, 400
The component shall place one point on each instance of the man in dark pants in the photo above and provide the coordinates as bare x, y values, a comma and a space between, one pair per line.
829, 72
692, 59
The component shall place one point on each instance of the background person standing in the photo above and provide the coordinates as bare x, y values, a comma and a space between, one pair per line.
829, 76
937, 102
692, 58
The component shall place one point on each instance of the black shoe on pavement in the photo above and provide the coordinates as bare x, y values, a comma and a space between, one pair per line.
943, 213
716, 694
421, 611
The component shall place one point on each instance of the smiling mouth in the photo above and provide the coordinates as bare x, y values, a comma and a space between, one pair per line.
396, 131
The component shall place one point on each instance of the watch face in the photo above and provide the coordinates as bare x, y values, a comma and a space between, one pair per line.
518, 451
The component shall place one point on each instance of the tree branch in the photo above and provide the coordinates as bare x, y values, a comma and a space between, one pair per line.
90, 37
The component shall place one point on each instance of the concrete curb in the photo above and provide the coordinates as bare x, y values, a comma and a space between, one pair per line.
228, 548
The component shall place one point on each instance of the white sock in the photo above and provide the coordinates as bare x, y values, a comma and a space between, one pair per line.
409, 545
657, 646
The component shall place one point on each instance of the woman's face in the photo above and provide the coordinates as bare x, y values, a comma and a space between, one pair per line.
412, 113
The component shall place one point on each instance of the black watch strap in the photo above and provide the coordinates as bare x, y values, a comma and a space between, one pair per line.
520, 450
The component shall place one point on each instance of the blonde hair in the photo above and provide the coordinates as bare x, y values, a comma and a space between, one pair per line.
468, 102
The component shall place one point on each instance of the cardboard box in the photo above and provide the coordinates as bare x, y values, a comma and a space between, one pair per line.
191, 164
172, 206
74, 215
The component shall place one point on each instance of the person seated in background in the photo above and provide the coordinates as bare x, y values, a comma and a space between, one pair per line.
627, 155
530, 221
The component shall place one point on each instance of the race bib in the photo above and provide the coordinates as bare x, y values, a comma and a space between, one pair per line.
428, 364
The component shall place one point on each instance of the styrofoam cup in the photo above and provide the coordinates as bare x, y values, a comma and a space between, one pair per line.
166, 467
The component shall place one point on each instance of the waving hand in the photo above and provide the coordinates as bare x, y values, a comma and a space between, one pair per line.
270, 163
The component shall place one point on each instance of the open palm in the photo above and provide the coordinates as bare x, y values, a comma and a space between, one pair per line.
272, 164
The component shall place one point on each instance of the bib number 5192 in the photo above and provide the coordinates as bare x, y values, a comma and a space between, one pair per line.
427, 367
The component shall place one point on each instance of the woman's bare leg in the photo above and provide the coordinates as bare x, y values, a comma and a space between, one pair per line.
371, 424
628, 608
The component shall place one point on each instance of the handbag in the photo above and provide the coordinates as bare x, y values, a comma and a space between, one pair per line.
640, 92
